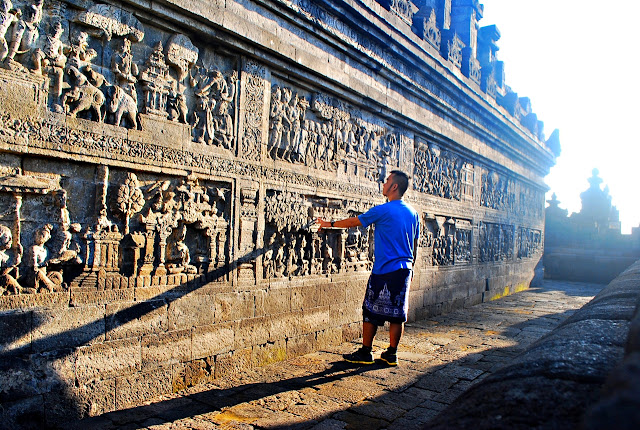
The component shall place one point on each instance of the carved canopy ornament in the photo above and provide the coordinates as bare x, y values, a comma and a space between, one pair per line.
112, 21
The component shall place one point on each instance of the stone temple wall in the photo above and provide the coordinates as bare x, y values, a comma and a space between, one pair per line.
161, 165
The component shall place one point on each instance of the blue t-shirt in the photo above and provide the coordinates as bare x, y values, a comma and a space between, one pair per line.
397, 226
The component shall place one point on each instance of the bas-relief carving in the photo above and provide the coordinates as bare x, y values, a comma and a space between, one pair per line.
172, 226
426, 27
442, 173
447, 240
499, 192
293, 248
495, 242
326, 134
309, 129
529, 242
254, 100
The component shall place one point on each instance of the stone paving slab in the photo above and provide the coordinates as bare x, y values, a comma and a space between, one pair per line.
440, 358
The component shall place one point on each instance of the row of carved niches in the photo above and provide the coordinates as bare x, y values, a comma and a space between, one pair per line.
57, 232
101, 67
324, 133
502, 193
445, 241
294, 248
529, 242
442, 173
495, 242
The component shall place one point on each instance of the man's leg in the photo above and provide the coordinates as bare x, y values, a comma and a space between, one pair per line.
368, 333
395, 333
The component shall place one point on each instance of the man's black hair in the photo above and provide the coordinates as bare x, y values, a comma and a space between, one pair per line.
402, 179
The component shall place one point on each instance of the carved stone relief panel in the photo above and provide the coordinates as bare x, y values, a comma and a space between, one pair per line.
498, 191
447, 240
101, 67
294, 248
112, 224
442, 173
324, 133
495, 242
529, 242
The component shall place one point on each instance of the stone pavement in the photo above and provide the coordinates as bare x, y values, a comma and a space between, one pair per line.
439, 359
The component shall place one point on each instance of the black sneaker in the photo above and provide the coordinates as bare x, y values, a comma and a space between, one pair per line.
359, 357
389, 357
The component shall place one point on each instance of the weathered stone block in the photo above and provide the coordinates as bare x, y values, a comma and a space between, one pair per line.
15, 332
213, 339
332, 294
108, 359
36, 374
273, 301
301, 345
234, 306
233, 362
136, 388
192, 373
191, 310
63, 328
269, 353
253, 331
305, 297
166, 349
135, 319
329, 337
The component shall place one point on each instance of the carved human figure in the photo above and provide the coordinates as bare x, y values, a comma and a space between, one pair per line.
62, 245
25, 32
9, 263
179, 256
223, 98
37, 264
208, 85
177, 103
79, 52
327, 256
125, 70
279, 257
52, 57
303, 261
8, 16
275, 114
287, 121
269, 262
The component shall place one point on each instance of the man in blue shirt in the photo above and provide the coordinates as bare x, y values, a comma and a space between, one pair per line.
397, 227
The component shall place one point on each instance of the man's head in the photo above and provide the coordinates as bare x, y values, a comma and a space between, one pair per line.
396, 185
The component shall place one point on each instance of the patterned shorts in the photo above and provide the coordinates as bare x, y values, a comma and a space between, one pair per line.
386, 297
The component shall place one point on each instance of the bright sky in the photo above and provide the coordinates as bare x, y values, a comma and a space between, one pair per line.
578, 61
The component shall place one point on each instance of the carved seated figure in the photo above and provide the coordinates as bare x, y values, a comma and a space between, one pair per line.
179, 256
25, 32
37, 275
8, 263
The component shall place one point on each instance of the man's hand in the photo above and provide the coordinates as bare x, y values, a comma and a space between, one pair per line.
322, 223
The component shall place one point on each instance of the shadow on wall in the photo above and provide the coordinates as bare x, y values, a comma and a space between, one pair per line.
39, 384
411, 401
